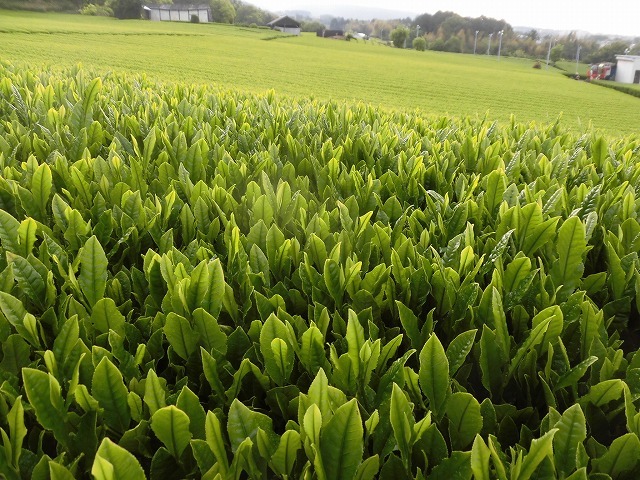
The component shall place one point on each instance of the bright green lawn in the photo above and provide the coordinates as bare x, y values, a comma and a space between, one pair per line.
240, 58
570, 66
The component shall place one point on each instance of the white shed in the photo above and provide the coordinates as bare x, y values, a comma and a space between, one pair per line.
177, 13
285, 25
628, 70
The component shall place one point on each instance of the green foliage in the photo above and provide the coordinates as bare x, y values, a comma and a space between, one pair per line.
248, 14
126, 9
222, 11
463, 85
399, 36
114, 462
203, 284
453, 44
447, 25
420, 44
96, 10
629, 89
608, 52
556, 53
312, 26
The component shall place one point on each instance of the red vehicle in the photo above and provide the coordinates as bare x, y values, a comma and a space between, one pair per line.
601, 71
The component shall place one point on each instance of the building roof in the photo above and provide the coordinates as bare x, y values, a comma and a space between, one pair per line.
628, 58
284, 22
177, 6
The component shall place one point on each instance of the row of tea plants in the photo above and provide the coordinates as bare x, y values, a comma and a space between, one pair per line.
198, 283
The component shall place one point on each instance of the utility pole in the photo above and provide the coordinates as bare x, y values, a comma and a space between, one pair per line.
475, 42
551, 40
578, 59
489, 46
501, 32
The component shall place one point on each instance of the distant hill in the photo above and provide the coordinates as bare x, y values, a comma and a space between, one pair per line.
543, 32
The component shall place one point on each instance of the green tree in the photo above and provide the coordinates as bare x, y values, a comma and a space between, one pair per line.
454, 44
96, 10
556, 53
312, 26
533, 35
381, 29
452, 25
222, 11
437, 45
247, 14
399, 35
420, 44
608, 52
126, 8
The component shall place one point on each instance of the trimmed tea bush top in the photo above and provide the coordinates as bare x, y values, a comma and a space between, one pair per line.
197, 283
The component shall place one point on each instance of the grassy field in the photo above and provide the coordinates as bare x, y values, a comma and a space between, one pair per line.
570, 66
232, 57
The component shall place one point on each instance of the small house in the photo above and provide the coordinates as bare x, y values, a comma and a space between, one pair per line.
178, 13
326, 33
285, 24
628, 70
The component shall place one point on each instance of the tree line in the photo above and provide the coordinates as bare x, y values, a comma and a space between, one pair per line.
450, 32
441, 31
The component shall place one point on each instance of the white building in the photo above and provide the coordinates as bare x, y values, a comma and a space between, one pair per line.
628, 70
285, 25
178, 13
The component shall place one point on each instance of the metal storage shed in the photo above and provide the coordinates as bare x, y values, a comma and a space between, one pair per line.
286, 25
628, 70
177, 12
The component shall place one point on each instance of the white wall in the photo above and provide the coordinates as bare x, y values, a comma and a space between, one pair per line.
178, 15
626, 70
203, 15
290, 31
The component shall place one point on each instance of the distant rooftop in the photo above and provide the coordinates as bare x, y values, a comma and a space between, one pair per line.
285, 22
178, 6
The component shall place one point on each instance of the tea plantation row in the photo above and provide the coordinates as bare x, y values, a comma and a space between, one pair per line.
239, 58
206, 284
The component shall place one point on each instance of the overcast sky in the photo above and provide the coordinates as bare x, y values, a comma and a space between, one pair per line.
602, 16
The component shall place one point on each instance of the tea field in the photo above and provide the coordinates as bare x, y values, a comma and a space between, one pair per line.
231, 57
201, 283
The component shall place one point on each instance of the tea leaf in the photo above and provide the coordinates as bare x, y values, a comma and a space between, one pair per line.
117, 461
171, 426
434, 374
109, 390
341, 442
572, 430
93, 271
465, 420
